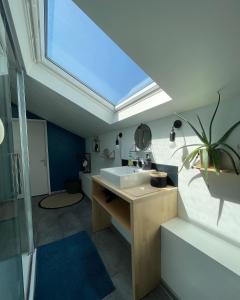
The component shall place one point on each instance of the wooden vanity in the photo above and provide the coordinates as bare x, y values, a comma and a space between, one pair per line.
140, 210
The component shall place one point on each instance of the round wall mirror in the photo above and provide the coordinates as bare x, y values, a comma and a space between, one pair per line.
143, 137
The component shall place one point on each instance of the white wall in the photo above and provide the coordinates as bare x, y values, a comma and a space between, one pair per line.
215, 207
193, 275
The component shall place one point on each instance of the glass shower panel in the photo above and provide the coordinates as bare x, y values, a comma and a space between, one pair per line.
15, 208
11, 281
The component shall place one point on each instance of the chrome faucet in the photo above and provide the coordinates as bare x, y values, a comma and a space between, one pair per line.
140, 163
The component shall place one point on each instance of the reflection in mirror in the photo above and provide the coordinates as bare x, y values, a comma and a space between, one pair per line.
143, 137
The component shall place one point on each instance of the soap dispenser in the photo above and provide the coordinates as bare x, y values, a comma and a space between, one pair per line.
130, 160
148, 162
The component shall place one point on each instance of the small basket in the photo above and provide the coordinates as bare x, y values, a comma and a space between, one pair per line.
158, 179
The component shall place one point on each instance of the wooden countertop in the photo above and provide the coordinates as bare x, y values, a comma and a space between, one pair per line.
134, 193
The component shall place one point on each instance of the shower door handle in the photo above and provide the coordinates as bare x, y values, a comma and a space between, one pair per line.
16, 170
44, 161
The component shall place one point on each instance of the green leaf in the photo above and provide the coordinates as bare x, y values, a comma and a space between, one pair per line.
226, 135
185, 146
203, 131
216, 160
190, 157
214, 114
229, 147
193, 128
205, 162
232, 160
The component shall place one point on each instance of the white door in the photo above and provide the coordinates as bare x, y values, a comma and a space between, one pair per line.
38, 156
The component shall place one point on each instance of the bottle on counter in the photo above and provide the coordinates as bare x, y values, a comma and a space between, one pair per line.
130, 159
147, 162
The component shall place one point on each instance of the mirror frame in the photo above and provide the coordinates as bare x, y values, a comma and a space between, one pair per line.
139, 134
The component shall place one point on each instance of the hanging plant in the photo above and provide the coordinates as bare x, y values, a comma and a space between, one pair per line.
209, 152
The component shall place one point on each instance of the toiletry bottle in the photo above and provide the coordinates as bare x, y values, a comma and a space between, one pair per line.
148, 163
130, 160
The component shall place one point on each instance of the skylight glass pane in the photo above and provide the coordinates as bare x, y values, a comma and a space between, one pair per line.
81, 48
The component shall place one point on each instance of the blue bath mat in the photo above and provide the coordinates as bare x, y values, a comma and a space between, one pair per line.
71, 269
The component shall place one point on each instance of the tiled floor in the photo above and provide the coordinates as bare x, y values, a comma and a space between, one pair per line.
51, 225
13, 238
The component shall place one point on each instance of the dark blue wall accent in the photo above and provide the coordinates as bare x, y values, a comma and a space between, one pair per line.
64, 150
28, 114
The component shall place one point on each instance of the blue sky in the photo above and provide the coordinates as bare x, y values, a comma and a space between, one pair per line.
75, 43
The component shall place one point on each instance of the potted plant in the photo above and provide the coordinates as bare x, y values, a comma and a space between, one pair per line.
209, 152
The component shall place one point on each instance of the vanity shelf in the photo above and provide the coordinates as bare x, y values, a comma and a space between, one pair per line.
141, 210
117, 208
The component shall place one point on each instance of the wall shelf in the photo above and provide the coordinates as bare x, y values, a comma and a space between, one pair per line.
117, 208
212, 170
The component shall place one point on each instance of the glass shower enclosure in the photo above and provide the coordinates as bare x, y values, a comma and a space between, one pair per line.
16, 234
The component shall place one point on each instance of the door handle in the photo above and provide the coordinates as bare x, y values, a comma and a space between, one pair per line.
17, 173
44, 161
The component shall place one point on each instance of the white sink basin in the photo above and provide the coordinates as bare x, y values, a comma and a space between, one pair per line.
125, 177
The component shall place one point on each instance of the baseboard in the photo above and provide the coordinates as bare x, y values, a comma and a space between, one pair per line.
168, 291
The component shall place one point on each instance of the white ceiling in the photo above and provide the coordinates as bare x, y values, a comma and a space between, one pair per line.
190, 48
55, 108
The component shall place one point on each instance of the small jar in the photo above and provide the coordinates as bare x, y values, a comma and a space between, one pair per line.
158, 179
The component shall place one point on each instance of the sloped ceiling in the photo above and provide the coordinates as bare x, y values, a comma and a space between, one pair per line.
53, 107
190, 48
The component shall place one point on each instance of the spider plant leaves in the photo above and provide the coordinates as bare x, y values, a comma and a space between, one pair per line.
190, 157
231, 159
193, 128
185, 146
203, 131
229, 131
216, 159
208, 151
214, 114
229, 147
205, 162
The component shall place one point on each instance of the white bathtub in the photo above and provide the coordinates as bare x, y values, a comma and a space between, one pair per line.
86, 179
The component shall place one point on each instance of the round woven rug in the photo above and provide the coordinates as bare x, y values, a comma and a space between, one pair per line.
60, 200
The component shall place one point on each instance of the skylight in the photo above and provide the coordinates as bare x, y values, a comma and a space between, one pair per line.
77, 45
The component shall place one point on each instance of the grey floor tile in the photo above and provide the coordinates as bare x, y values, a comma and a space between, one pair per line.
48, 236
51, 225
114, 252
123, 284
157, 294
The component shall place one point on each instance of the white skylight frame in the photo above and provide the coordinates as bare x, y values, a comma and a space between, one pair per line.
152, 87
151, 100
37, 21
38, 44
147, 91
